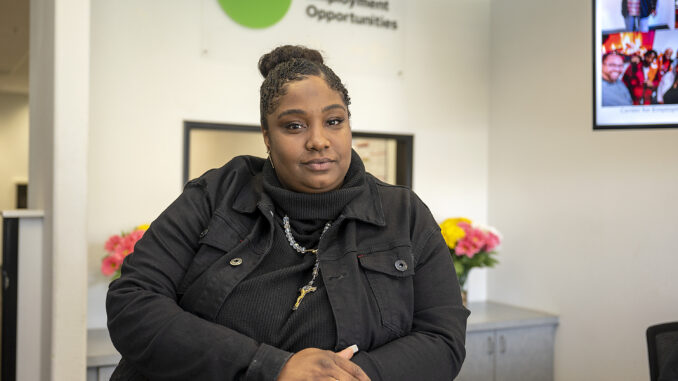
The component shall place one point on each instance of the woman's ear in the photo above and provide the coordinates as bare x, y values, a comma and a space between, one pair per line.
267, 140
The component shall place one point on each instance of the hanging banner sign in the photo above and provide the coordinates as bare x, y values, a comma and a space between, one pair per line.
259, 14
352, 13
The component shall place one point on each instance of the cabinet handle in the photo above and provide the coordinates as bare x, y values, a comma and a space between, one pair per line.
490, 345
502, 344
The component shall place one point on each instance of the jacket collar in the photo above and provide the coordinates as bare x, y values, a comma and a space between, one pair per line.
367, 205
251, 195
364, 207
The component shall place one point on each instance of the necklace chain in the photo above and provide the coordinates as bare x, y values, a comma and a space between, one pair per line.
309, 287
290, 238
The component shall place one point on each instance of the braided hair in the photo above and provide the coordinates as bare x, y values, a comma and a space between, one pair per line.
292, 63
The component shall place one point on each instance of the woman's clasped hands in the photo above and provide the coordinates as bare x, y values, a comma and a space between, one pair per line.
318, 364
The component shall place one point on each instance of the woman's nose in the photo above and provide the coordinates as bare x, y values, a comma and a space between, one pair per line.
317, 140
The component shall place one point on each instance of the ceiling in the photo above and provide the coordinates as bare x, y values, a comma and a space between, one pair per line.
14, 28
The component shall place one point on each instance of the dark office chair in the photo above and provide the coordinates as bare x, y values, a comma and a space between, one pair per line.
662, 349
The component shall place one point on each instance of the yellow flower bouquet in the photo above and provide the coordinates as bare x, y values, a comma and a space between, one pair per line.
470, 246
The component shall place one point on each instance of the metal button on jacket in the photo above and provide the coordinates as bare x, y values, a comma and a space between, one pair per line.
400, 265
203, 233
236, 262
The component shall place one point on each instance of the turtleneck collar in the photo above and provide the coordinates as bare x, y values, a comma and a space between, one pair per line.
315, 206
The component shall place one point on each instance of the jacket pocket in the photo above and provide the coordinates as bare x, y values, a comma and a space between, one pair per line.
389, 272
214, 242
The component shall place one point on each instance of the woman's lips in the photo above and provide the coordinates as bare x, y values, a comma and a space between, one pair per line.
319, 164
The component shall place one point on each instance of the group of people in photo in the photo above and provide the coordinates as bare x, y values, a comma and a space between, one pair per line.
641, 78
638, 63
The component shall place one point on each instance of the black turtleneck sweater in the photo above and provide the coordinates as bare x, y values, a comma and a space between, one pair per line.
261, 305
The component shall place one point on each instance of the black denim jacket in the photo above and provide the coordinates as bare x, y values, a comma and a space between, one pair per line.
385, 243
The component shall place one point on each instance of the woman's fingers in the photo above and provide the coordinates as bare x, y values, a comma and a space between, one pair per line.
348, 352
350, 370
353, 370
316, 364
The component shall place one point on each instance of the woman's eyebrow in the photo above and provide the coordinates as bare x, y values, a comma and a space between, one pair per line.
333, 106
292, 111
302, 112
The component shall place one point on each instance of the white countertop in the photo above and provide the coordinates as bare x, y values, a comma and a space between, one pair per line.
492, 315
100, 350
22, 213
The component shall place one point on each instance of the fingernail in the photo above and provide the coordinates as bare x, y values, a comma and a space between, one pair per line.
354, 348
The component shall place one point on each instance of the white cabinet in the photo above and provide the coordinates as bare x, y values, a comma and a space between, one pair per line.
506, 343
479, 363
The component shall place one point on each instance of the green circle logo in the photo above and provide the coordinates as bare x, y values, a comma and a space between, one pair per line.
255, 13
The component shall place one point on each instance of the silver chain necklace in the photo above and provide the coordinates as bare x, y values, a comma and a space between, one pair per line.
309, 287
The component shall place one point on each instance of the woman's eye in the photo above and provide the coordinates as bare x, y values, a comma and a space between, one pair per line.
334, 122
294, 126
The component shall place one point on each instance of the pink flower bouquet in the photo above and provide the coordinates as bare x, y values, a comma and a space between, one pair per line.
118, 247
470, 246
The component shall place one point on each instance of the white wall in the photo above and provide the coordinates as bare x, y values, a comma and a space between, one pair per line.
13, 146
59, 106
589, 217
447, 109
185, 60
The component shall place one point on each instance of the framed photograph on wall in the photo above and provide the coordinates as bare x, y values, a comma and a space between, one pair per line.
635, 47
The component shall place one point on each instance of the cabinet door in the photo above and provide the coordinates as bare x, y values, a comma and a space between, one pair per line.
479, 363
525, 354
92, 374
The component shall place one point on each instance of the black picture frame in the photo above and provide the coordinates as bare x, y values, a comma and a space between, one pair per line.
404, 145
612, 36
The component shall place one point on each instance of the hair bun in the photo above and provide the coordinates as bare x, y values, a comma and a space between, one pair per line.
286, 53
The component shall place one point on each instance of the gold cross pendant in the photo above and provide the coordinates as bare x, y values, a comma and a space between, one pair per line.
302, 292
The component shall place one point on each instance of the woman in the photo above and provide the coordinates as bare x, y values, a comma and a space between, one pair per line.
276, 269
670, 95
